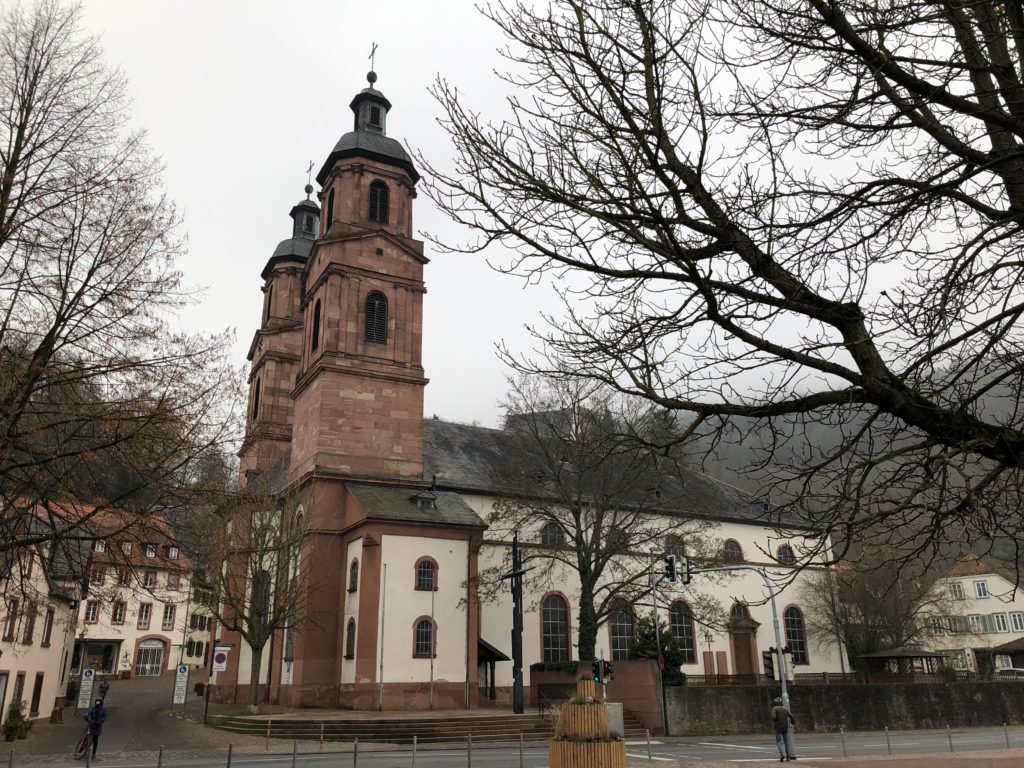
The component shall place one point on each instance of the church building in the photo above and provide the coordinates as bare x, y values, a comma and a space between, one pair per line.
396, 505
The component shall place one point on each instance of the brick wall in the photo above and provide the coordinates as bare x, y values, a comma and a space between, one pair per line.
698, 711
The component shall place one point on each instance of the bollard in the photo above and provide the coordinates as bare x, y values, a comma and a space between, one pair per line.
888, 744
647, 733
355, 752
295, 748
321, 737
230, 747
414, 740
520, 749
469, 750
1006, 733
949, 735
842, 736
268, 735
10, 759
160, 757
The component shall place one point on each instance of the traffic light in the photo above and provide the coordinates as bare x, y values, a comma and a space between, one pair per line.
608, 671
595, 668
670, 567
683, 567
768, 660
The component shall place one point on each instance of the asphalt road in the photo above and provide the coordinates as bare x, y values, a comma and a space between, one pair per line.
140, 722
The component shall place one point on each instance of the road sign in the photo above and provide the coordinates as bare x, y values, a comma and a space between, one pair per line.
181, 684
85, 691
220, 659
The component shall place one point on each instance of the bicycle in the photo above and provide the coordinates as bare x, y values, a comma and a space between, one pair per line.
85, 744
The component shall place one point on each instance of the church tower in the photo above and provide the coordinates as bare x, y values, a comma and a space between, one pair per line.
358, 394
276, 348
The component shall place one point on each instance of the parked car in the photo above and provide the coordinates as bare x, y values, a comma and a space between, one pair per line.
1010, 673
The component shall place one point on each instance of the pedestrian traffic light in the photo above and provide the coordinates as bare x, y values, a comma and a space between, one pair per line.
595, 668
670, 568
608, 671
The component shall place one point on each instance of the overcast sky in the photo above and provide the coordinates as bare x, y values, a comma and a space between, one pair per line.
238, 97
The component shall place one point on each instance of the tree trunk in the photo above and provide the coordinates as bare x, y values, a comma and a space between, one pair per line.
587, 630
254, 679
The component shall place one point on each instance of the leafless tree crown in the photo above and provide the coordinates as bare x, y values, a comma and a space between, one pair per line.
794, 220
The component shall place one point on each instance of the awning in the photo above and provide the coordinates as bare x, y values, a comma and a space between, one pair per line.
487, 652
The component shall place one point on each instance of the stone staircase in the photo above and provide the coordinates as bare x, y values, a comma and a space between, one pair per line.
394, 729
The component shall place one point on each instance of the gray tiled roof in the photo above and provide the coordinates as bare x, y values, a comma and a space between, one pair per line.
469, 459
398, 504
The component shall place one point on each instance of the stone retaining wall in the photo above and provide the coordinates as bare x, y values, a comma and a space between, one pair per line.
711, 710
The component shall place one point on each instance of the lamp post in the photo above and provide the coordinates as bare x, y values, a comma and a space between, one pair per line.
708, 637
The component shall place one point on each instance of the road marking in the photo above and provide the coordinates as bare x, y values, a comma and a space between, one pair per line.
652, 757
761, 759
732, 746
641, 743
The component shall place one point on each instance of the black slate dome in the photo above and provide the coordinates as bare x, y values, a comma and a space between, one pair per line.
305, 223
369, 138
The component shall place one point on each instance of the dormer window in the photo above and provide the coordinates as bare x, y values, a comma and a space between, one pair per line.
425, 500
150, 550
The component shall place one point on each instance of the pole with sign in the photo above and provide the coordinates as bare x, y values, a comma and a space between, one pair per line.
180, 684
85, 692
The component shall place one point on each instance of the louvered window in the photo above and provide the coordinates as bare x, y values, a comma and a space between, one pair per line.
377, 318
380, 198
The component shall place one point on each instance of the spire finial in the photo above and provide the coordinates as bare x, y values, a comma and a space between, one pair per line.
371, 76
309, 180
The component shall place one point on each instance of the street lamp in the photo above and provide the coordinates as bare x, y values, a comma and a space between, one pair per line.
708, 637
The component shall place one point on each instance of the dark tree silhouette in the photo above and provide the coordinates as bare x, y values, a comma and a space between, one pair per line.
778, 217
103, 401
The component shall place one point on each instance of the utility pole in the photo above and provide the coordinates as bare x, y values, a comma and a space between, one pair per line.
784, 689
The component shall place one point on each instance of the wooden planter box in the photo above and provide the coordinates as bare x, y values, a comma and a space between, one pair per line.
584, 722
594, 754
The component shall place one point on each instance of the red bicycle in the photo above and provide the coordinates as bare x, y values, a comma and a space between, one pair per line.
85, 744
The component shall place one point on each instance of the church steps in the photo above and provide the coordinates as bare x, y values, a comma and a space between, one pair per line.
489, 729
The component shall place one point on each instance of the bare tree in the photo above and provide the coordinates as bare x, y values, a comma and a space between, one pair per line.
778, 216
595, 498
869, 605
255, 557
104, 404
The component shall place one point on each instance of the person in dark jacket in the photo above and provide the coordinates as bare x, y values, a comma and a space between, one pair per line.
95, 716
104, 687
781, 720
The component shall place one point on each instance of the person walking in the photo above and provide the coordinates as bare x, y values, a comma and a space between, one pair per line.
95, 716
781, 720
104, 687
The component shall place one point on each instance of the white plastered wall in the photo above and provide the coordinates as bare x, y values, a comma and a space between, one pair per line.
403, 605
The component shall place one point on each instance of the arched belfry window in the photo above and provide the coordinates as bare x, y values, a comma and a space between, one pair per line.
377, 317
380, 199
330, 210
315, 337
